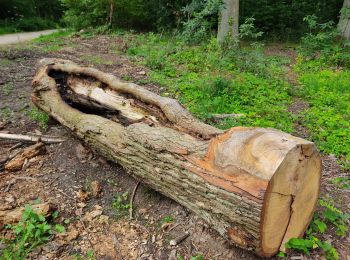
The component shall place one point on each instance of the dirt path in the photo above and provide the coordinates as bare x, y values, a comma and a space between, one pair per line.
21, 37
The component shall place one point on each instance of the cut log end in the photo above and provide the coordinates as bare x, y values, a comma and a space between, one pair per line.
290, 198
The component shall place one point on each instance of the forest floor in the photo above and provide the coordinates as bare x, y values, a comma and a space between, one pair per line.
69, 171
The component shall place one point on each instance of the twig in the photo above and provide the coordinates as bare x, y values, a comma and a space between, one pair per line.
178, 224
65, 194
24, 178
88, 237
50, 183
15, 146
31, 138
132, 200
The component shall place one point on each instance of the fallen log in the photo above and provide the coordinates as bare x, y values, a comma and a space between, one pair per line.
257, 187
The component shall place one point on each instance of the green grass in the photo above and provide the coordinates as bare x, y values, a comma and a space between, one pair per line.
8, 29
329, 217
6, 114
7, 89
95, 59
328, 119
52, 42
56, 37
209, 80
40, 117
5, 62
121, 204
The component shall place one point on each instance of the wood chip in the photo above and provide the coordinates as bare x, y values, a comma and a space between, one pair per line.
19, 161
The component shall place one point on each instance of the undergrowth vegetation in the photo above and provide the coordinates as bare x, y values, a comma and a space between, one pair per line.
32, 231
208, 79
329, 217
323, 69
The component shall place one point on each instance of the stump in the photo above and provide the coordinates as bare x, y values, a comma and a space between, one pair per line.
257, 187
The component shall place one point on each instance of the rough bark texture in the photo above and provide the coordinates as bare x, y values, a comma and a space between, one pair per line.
16, 163
229, 20
256, 187
344, 21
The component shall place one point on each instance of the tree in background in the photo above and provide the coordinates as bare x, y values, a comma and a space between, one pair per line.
229, 20
25, 15
283, 20
136, 14
344, 21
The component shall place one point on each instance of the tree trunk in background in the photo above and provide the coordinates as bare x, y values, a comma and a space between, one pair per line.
257, 187
344, 22
229, 20
111, 12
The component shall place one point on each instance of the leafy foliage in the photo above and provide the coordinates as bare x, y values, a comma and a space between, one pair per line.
29, 15
121, 204
168, 219
323, 43
330, 215
152, 14
283, 20
342, 182
327, 91
33, 230
202, 17
211, 80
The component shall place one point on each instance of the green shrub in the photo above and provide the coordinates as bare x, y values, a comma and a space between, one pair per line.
121, 204
34, 24
323, 42
32, 231
329, 215
202, 18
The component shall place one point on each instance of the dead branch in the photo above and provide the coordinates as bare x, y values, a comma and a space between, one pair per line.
31, 138
132, 200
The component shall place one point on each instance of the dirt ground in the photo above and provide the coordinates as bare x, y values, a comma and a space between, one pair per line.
66, 171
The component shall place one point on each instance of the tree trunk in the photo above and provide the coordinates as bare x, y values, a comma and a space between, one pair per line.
111, 12
229, 20
257, 187
344, 22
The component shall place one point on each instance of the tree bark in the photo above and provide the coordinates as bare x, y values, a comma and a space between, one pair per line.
344, 21
229, 20
257, 187
111, 12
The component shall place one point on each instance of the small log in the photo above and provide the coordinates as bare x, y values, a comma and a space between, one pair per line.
14, 215
257, 187
17, 162
31, 138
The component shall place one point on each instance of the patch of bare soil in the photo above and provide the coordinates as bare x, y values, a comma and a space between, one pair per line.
81, 184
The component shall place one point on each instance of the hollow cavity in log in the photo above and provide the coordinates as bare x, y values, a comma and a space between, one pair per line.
256, 187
